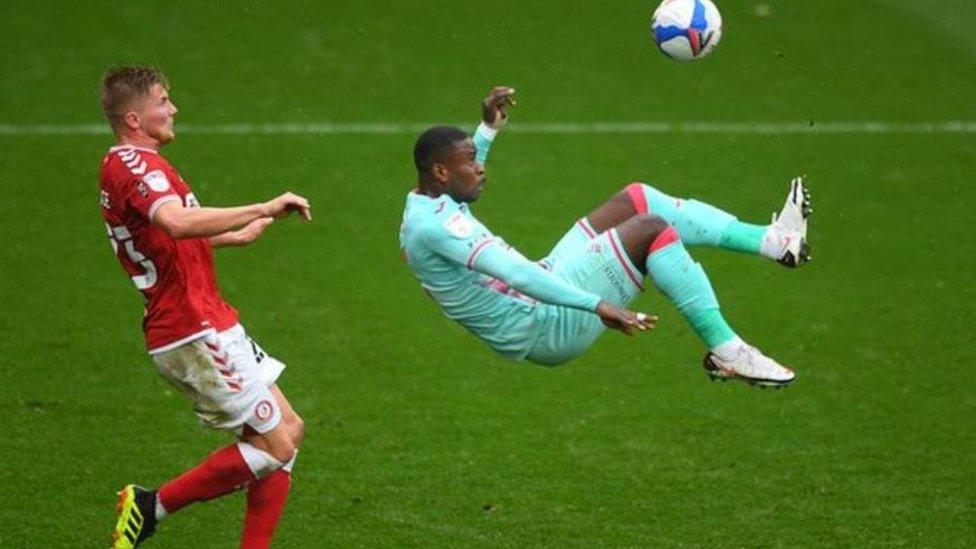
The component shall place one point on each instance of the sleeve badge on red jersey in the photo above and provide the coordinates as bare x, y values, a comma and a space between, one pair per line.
157, 181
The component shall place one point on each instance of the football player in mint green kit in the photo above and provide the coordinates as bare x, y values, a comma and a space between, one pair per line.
550, 311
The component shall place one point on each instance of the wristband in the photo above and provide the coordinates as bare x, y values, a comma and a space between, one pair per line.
486, 131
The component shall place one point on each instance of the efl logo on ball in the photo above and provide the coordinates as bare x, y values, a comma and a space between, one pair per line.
686, 30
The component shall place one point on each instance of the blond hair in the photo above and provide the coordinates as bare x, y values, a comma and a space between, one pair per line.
122, 86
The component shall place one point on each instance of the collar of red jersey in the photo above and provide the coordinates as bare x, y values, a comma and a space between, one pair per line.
133, 147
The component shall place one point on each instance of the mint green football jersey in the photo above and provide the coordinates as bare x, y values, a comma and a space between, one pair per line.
441, 242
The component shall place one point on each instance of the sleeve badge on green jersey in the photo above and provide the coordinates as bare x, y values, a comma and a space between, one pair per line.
459, 225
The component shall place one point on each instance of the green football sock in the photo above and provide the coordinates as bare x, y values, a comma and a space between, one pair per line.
685, 283
742, 237
698, 223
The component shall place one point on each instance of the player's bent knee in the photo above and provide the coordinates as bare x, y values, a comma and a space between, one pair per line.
279, 442
297, 430
260, 460
651, 225
283, 451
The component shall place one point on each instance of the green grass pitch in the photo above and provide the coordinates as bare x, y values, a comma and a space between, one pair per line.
417, 434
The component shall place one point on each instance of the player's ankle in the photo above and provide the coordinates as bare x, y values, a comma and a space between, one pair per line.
728, 350
161, 512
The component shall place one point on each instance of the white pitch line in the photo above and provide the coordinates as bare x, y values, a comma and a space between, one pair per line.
645, 127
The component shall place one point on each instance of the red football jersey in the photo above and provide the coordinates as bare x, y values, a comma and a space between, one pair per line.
176, 276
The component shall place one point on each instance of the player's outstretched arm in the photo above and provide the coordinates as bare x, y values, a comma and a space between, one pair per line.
456, 243
182, 222
538, 283
244, 236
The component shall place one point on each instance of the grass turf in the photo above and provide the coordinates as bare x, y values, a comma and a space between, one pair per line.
417, 434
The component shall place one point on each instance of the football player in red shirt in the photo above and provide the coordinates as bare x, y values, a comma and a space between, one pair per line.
164, 238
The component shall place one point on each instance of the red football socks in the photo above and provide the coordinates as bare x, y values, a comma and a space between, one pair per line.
265, 501
221, 473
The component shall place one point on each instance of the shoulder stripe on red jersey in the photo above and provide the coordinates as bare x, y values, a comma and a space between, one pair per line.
133, 161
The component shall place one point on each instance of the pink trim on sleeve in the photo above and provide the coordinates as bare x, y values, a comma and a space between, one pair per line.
477, 251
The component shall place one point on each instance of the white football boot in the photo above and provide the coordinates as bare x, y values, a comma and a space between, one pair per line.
786, 239
750, 366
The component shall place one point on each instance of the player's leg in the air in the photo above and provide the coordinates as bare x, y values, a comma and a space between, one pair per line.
701, 224
655, 247
227, 379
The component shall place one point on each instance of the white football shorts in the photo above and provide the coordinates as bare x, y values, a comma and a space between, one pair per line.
226, 376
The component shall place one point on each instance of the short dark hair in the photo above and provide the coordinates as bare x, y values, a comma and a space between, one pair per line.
433, 144
123, 85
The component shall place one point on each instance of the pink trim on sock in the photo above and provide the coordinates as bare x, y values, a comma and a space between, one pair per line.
584, 225
665, 238
624, 260
636, 193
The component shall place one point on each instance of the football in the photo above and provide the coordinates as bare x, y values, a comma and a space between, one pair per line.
686, 30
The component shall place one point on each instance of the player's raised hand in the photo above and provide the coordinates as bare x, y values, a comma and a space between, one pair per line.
494, 109
623, 320
289, 202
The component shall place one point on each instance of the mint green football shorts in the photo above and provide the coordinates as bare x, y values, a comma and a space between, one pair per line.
597, 264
